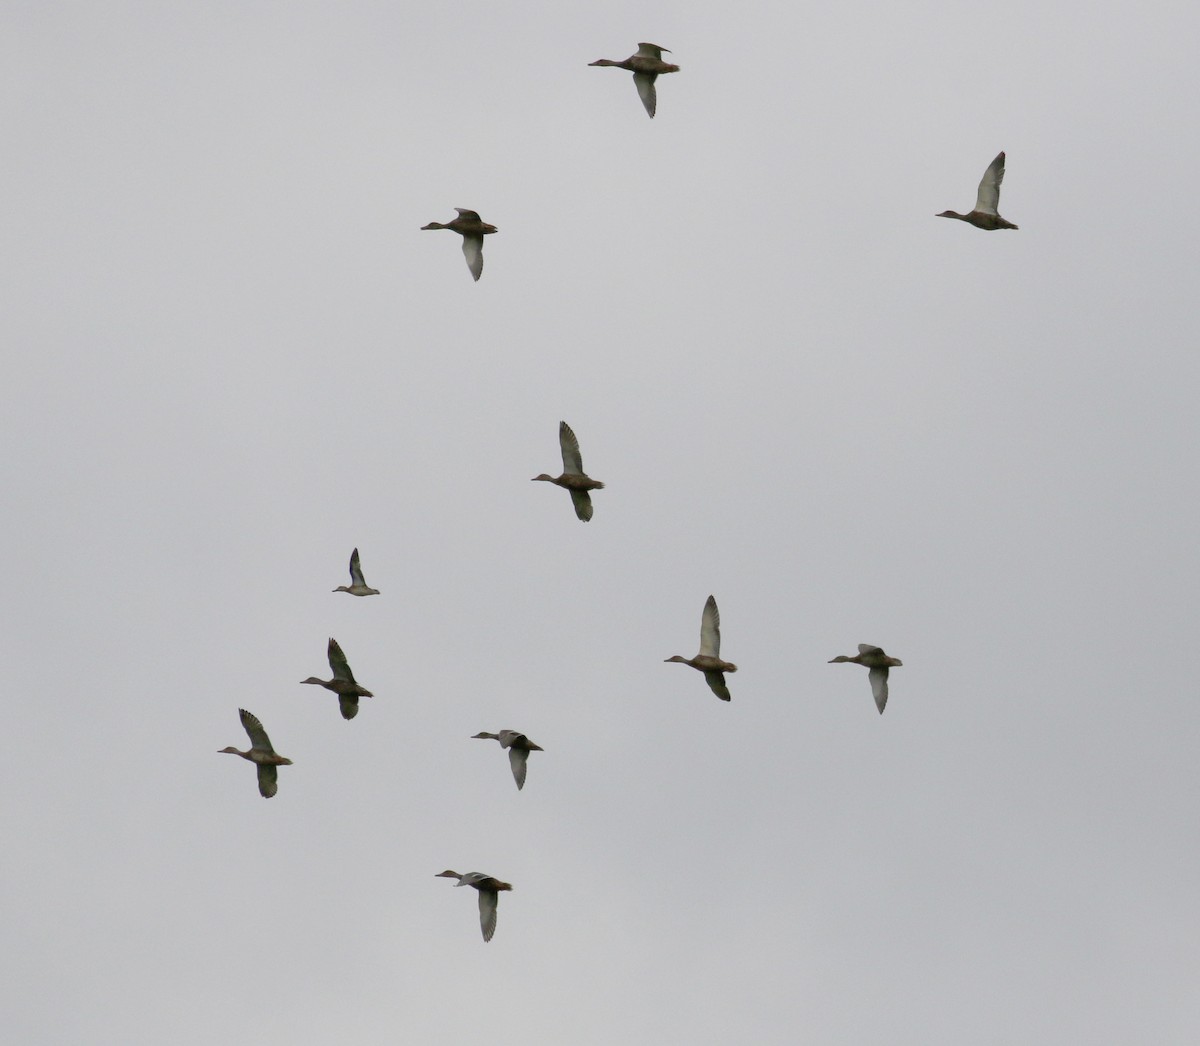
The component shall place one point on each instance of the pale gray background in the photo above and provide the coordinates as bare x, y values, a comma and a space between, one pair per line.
231, 355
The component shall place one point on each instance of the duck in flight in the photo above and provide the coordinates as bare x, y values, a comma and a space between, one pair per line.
261, 753
343, 683
878, 662
472, 229
519, 746
709, 660
646, 66
489, 896
986, 214
358, 586
573, 478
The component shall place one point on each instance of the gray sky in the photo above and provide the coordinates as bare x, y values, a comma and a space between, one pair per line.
233, 356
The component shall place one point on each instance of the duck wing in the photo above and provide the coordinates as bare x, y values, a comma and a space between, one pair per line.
517, 758
473, 251
644, 82
879, 687
515, 737
582, 501
487, 912
569, 445
356, 574
987, 200
268, 775
710, 630
716, 683
254, 730
338, 663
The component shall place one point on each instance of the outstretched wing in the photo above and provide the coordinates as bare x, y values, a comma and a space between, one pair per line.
582, 501
338, 663
651, 51
571, 458
710, 630
645, 89
988, 198
473, 251
267, 776
487, 912
254, 729
348, 703
517, 758
356, 574
879, 687
716, 683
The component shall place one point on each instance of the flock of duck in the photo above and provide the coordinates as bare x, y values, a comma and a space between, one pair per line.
646, 65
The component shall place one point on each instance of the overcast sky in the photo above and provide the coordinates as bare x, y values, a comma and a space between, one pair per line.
232, 356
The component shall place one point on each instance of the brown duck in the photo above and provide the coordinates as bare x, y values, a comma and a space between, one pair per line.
472, 229
519, 746
573, 478
342, 683
646, 66
873, 658
489, 896
358, 585
260, 753
987, 201
709, 660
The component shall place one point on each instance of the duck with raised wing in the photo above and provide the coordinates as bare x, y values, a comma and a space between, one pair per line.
472, 229
878, 662
709, 660
573, 478
489, 896
646, 66
261, 753
342, 683
986, 214
358, 585
519, 746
